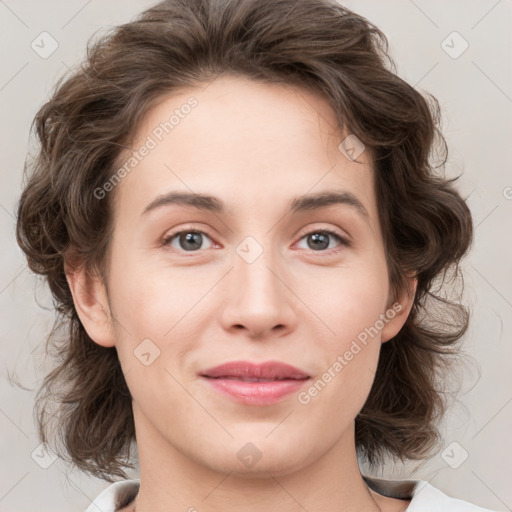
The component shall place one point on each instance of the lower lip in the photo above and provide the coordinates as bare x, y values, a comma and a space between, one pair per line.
256, 393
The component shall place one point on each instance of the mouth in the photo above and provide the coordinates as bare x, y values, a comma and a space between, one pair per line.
255, 384
248, 379
270, 370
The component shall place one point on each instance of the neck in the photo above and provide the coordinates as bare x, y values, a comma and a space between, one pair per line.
171, 481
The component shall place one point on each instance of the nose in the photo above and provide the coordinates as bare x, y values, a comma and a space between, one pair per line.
260, 300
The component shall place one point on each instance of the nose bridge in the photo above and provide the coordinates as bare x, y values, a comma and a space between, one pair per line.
253, 263
260, 300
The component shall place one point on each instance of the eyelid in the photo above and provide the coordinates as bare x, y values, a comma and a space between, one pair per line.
166, 239
345, 239
343, 235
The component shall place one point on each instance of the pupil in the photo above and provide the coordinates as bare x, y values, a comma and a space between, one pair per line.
188, 238
318, 242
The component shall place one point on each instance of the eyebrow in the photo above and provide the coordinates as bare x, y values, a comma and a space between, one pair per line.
306, 202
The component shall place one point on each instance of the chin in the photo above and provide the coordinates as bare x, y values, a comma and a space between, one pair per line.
248, 459
262, 469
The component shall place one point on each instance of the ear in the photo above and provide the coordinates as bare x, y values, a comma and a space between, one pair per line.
400, 309
91, 304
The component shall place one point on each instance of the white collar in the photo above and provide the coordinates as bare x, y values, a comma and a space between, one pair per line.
424, 496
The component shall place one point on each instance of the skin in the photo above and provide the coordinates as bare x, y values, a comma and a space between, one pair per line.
255, 146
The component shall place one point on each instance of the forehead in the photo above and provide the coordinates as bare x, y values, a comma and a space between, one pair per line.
249, 143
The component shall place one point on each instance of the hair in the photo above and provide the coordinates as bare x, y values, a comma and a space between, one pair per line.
91, 119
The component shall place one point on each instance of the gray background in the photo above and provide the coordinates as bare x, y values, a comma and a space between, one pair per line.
475, 93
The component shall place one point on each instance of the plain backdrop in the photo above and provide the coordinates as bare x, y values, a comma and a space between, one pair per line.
458, 50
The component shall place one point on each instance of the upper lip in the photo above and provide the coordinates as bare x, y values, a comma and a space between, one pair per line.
245, 369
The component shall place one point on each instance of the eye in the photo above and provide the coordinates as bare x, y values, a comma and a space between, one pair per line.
318, 240
187, 240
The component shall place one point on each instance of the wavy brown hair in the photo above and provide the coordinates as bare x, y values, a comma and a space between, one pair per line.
91, 120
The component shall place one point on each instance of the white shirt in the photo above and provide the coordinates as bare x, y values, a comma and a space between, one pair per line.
424, 496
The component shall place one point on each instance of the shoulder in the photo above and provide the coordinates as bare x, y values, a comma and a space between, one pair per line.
423, 496
115, 497
426, 497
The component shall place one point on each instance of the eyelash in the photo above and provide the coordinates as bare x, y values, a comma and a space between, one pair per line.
343, 241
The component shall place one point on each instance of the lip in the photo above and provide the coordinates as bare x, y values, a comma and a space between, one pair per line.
255, 384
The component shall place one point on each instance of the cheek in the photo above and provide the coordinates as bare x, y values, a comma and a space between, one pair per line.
347, 300
154, 334
150, 298
351, 307
157, 311
339, 391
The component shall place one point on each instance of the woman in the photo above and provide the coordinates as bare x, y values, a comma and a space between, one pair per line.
238, 218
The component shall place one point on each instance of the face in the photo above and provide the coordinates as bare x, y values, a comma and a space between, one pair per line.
194, 286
